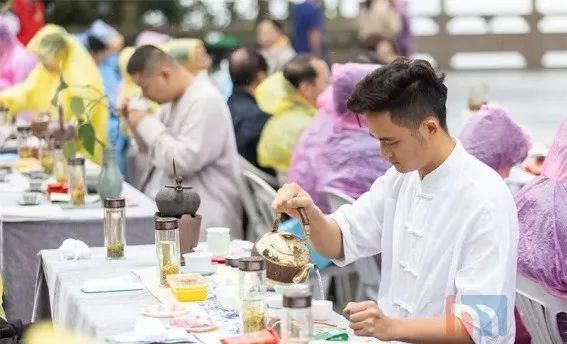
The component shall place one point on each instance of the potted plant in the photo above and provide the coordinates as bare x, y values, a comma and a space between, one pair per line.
110, 178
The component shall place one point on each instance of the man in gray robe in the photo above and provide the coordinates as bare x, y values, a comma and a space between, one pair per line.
194, 128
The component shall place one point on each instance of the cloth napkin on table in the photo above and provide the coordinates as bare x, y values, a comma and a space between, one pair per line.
72, 249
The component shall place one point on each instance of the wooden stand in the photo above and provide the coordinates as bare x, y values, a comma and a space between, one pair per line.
189, 231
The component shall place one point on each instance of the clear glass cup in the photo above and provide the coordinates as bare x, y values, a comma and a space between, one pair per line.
46, 155
115, 227
167, 247
24, 141
252, 291
297, 319
77, 185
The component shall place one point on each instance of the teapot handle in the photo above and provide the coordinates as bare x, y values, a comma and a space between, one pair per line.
304, 222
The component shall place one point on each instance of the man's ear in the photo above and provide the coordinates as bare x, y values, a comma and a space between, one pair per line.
431, 125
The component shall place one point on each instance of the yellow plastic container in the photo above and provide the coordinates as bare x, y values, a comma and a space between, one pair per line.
188, 287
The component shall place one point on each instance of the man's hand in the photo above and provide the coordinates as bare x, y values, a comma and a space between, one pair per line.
367, 319
134, 117
291, 197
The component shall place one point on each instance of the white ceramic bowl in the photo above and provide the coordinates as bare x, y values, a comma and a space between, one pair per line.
322, 309
198, 261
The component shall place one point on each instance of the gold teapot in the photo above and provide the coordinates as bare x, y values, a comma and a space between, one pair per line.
287, 256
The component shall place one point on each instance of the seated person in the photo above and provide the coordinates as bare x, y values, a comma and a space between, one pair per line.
194, 129
495, 139
61, 55
290, 98
15, 61
335, 152
248, 68
275, 45
445, 223
542, 213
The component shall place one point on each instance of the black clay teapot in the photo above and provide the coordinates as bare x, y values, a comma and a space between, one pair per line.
177, 200
287, 256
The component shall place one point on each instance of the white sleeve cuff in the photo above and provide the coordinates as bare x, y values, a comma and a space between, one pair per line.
349, 246
149, 129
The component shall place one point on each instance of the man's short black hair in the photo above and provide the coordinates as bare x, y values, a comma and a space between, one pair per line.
244, 64
276, 23
300, 69
146, 58
95, 45
410, 90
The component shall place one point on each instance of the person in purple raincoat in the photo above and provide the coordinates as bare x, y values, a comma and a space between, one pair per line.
335, 152
542, 213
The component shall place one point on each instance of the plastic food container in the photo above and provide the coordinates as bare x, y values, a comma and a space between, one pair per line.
188, 287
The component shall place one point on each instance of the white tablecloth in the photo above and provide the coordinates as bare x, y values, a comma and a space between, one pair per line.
21, 240
105, 314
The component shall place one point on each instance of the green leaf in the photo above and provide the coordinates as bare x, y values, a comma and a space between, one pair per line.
87, 137
54, 99
69, 149
77, 106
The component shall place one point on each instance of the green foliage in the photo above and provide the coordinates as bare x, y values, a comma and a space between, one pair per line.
81, 107
78, 106
87, 135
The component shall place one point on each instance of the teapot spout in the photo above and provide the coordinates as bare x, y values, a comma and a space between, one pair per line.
302, 274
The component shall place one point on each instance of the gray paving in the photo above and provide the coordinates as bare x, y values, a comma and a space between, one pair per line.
537, 100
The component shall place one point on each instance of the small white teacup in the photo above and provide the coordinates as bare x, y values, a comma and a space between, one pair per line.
198, 262
322, 309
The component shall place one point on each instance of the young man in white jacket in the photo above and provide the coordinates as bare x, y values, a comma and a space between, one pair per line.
445, 223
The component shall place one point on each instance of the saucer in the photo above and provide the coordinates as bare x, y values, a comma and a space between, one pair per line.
28, 204
166, 311
207, 272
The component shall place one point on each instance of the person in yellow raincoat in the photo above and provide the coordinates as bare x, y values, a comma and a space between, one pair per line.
61, 55
190, 53
290, 97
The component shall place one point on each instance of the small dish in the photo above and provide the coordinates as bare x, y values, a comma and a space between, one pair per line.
205, 272
166, 311
194, 322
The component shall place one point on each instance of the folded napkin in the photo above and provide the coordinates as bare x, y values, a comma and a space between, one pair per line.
72, 249
149, 330
122, 283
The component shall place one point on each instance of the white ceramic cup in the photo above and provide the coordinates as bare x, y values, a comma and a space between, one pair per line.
218, 241
198, 261
322, 309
